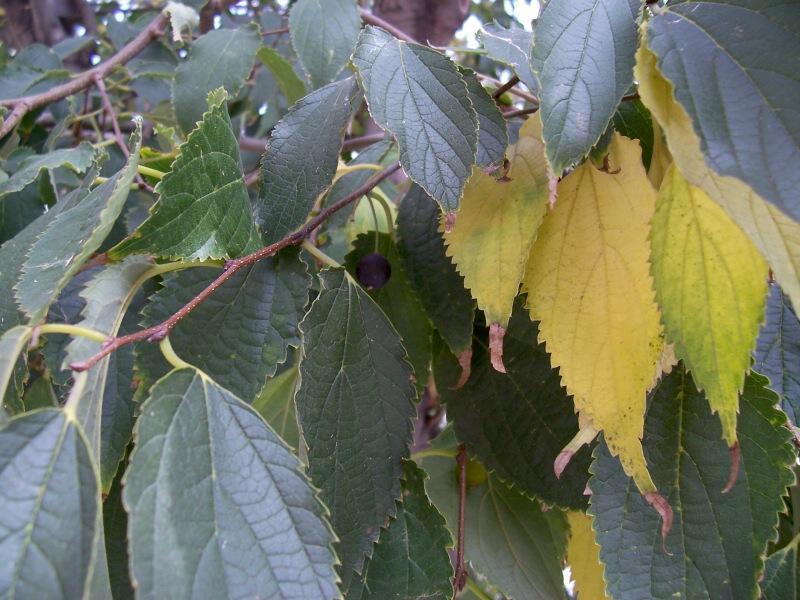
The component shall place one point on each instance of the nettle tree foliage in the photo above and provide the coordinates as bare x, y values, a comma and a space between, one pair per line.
294, 306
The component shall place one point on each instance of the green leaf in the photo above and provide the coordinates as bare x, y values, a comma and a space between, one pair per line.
633, 120
512, 47
517, 423
780, 574
302, 155
717, 539
398, 301
78, 159
20, 209
71, 238
438, 285
417, 95
777, 353
241, 332
115, 528
710, 283
216, 502
221, 57
104, 414
51, 507
583, 56
745, 45
324, 34
291, 85
410, 559
492, 130
203, 209
509, 538
35, 68
275, 403
12, 373
355, 405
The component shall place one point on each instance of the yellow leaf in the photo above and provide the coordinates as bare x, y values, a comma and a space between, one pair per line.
711, 283
583, 557
775, 235
497, 224
588, 282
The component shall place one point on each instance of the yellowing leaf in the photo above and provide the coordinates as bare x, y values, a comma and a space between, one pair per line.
497, 224
583, 557
775, 235
589, 284
710, 284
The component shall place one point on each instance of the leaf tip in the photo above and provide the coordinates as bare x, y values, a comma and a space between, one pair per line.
733, 474
561, 462
465, 362
496, 335
449, 222
662, 507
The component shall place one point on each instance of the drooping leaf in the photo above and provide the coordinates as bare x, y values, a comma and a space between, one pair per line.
583, 57
745, 45
398, 301
410, 559
203, 209
438, 285
776, 235
780, 580
492, 130
241, 332
517, 423
418, 95
221, 57
583, 558
589, 284
216, 502
355, 406
51, 507
512, 47
633, 120
498, 223
78, 159
71, 238
105, 415
717, 539
291, 85
710, 284
302, 155
275, 403
12, 343
324, 34
777, 353
509, 538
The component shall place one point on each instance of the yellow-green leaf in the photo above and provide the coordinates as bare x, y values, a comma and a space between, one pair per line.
589, 284
775, 234
583, 558
710, 284
497, 224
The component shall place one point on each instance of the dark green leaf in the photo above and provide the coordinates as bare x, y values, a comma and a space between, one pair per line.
717, 540
518, 422
20, 209
221, 57
240, 333
781, 575
78, 159
35, 68
509, 538
115, 528
438, 285
746, 120
417, 95
633, 120
218, 503
40, 394
583, 56
12, 373
777, 353
398, 301
410, 559
291, 85
51, 507
324, 34
204, 210
355, 407
492, 130
275, 403
511, 47
302, 155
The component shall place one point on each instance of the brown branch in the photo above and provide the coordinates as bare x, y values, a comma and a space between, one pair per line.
460, 577
373, 19
251, 144
505, 87
520, 113
278, 31
101, 87
160, 331
25, 104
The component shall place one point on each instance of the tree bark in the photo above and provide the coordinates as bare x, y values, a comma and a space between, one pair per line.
433, 22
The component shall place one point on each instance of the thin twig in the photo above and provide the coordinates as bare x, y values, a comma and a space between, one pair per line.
505, 87
460, 577
251, 144
160, 331
101, 87
520, 113
374, 19
279, 31
25, 104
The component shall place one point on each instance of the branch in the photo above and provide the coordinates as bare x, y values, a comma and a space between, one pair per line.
460, 577
25, 104
160, 331
505, 87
